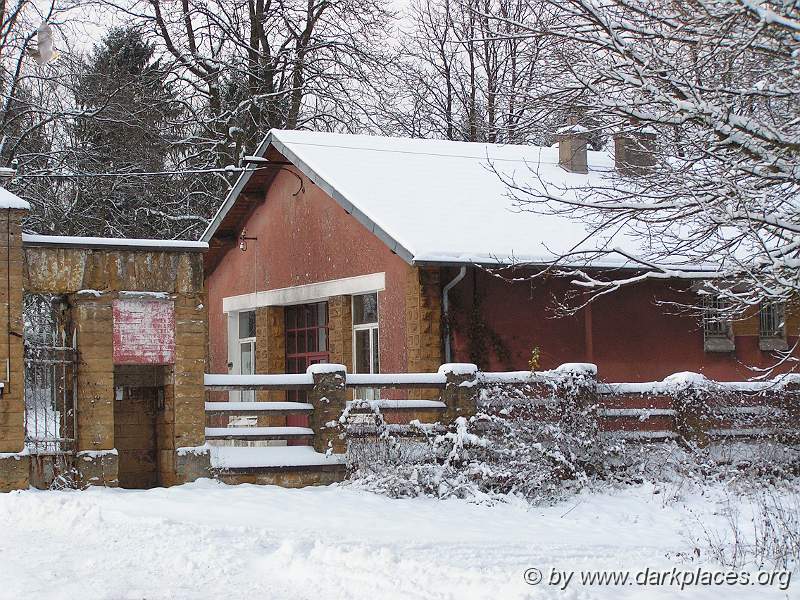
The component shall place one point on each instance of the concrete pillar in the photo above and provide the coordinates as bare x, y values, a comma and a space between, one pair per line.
328, 399
92, 318
459, 394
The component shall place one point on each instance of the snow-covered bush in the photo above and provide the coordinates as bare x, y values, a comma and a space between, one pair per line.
515, 445
541, 440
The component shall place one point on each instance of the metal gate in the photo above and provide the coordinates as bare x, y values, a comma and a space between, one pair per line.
50, 417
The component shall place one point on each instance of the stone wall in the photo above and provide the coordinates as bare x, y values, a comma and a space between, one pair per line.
340, 331
14, 466
270, 349
90, 279
423, 324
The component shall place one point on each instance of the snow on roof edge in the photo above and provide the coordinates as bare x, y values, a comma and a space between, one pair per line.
274, 139
365, 220
607, 261
62, 240
11, 200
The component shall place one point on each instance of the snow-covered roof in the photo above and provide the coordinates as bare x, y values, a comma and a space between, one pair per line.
101, 242
434, 201
9, 200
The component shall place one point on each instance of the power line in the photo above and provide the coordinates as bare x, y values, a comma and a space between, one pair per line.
228, 169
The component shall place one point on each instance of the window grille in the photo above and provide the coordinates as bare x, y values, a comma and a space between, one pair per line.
717, 332
715, 321
306, 340
771, 320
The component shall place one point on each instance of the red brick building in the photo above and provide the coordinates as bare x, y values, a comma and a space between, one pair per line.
370, 252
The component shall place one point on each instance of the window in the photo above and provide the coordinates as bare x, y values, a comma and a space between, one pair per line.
772, 326
366, 355
717, 331
247, 324
247, 349
306, 340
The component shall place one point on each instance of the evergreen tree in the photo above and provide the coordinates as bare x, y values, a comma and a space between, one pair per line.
130, 126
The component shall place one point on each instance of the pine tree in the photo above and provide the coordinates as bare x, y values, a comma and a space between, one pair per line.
132, 128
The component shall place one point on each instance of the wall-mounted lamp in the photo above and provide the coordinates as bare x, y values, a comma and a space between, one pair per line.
243, 239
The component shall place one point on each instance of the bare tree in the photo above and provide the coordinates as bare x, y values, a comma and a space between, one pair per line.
707, 91
246, 66
466, 71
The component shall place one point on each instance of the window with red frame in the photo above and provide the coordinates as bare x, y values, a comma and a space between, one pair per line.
306, 340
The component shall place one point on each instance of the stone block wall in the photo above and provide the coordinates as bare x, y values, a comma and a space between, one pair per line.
14, 466
270, 358
340, 331
423, 324
90, 279
270, 349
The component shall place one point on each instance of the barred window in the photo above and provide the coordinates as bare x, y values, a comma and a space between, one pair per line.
771, 320
715, 319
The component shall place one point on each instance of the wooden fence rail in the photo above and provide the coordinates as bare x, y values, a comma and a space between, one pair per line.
684, 406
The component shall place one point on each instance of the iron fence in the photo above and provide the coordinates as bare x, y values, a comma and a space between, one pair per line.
50, 417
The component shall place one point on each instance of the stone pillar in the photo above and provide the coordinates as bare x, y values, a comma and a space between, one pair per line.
459, 394
340, 330
328, 399
576, 409
423, 325
14, 464
691, 396
92, 317
186, 458
270, 357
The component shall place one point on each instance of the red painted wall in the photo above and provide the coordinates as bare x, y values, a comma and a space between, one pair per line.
144, 332
633, 339
307, 238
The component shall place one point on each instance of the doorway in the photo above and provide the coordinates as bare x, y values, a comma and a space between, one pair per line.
138, 400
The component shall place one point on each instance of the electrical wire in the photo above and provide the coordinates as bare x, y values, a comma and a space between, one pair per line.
230, 169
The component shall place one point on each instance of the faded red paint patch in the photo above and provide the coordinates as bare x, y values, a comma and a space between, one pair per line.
144, 332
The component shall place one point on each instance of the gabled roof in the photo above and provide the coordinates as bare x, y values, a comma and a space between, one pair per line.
434, 201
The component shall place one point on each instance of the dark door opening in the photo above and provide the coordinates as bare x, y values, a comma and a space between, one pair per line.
138, 395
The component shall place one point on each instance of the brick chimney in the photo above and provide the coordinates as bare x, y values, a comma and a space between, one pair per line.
635, 151
572, 147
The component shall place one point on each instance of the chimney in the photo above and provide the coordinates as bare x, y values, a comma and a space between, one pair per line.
572, 147
635, 151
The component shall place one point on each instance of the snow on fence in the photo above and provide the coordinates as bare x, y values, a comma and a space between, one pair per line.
684, 406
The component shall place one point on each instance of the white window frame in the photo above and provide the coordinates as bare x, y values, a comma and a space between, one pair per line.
235, 355
373, 393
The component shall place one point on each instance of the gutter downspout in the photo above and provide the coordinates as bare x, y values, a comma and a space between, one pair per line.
446, 309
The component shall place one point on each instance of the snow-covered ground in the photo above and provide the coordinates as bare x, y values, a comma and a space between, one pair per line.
208, 540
